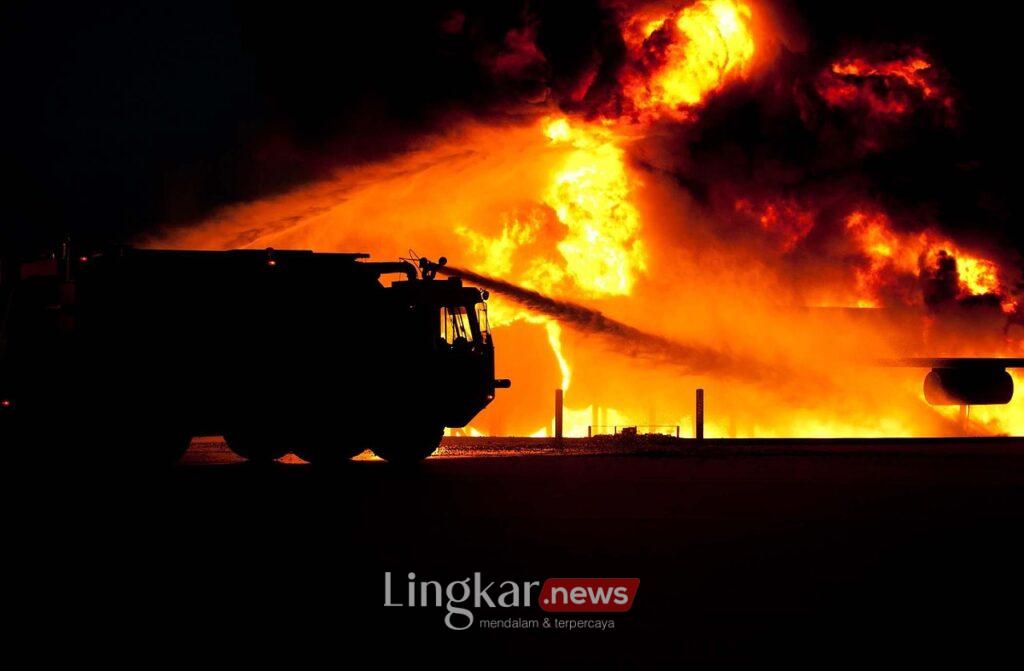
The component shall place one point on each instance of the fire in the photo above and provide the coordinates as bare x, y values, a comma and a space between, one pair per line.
555, 205
890, 253
912, 70
684, 55
785, 218
590, 194
585, 204
601, 251
978, 276
884, 87
995, 419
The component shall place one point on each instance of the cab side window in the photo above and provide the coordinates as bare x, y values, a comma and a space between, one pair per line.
481, 320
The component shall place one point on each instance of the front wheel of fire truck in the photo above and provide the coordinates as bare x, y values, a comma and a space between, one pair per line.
409, 446
323, 451
257, 446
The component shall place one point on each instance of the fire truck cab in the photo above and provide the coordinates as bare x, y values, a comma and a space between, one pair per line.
136, 351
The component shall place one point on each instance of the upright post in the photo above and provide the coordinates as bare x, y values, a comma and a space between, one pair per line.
698, 417
558, 413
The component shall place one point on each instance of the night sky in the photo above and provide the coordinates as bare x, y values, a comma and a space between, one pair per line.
126, 117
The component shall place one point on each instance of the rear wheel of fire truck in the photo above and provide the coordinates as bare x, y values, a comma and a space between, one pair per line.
136, 437
166, 449
409, 446
321, 451
256, 446
11, 435
145, 449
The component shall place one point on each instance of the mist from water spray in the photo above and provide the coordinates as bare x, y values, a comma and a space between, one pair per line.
628, 340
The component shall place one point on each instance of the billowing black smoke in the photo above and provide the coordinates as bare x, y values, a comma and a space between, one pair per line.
119, 124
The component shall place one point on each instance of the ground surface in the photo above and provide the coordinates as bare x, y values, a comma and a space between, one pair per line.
743, 549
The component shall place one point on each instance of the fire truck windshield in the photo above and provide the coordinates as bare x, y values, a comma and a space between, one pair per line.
456, 324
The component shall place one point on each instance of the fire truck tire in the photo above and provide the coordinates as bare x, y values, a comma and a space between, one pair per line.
410, 446
144, 449
324, 452
168, 449
256, 446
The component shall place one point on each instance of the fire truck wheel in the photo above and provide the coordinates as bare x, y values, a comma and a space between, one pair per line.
147, 450
257, 447
321, 452
168, 449
409, 447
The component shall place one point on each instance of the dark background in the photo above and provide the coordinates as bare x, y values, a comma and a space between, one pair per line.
121, 118
903, 551
126, 116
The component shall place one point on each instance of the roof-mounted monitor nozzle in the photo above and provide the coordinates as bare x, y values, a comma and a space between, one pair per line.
428, 269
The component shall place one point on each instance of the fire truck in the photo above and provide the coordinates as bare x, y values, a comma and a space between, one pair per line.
133, 352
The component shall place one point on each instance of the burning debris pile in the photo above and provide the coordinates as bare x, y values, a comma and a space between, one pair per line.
736, 205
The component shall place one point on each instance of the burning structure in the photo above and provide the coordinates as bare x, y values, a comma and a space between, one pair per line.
728, 207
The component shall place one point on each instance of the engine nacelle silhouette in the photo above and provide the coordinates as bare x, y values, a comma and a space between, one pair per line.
981, 385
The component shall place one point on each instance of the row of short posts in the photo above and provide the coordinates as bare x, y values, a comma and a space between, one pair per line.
698, 416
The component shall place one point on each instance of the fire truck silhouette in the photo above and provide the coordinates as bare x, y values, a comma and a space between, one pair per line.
139, 350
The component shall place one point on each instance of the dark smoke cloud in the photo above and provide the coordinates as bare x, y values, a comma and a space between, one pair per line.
627, 340
127, 117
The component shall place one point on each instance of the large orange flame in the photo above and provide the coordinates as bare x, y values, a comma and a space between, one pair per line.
686, 54
556, 204
884, 87
889, 252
